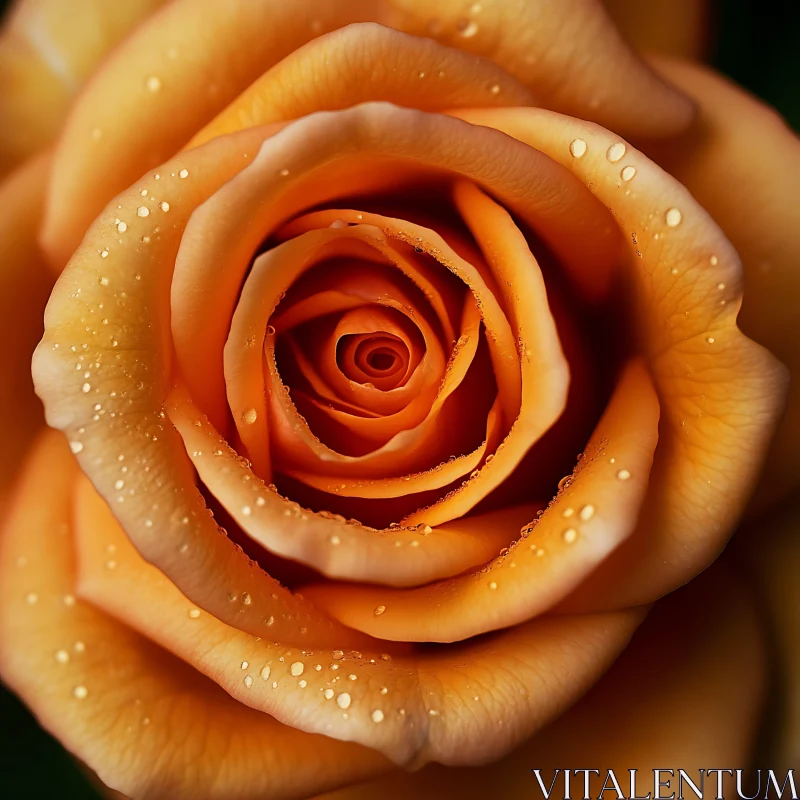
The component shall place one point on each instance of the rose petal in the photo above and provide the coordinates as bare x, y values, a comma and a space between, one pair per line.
413, 708
296, 169
674, 27
334, 547
366, 61
740, 161
25, 283
589, 518
200, 59
113, 404
720, 392
48, 48
706, 697
147, 723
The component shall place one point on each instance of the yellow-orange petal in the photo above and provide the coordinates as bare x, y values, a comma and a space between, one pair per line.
740, 161
25, 283
48, 48
201, 58
595, 511
673, 27
329, 544
367, 61
364, 150
146, 722
411, 707
720, 392
112, 406
706, 695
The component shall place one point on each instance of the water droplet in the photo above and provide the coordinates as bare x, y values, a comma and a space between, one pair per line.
587, 512
122, 226
379, 610
76, 447
249, 416
245, 664
377, 715
713, 261
337, 655
615, 152
328, 694
119, 484
673, 217
577, 148
297, 668
111, 564
164, 205
246, 511
79, 647
495, 89
143, 211
569, 535
627, 173
343, 700
80, 692
283, 173
302, 684
335, 540
62, 656
567, 512
467, 28
184, 173
623, 475
492, 585
153, 83
710, 339
246, 599
265, 672
248, 681
194, 613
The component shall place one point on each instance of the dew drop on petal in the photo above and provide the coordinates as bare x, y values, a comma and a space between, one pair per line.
586, 513
194, 613
153, 83
249, 416
569, 535
627, 173
184, 173
673, 217
377, 715
328, 694
379, 610
143, 211
248, 681
265, 672
297, 668
623, 475
76, 447
343, 700
577, 147
80, 692
615, 152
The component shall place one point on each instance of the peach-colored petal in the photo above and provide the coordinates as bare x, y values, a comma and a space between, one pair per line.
365, 61
333, 546
25, 283
111, 405
48, 48
147, 723
363, 150
696, 706
413, 708
190, 60
740, 161
593, 513
720, 392
673, 27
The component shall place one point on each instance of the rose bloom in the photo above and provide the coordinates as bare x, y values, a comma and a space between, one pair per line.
402, 356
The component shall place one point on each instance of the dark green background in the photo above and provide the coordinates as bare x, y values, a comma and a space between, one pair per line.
757, 44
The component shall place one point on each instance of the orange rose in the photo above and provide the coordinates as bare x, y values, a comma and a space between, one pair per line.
348, 286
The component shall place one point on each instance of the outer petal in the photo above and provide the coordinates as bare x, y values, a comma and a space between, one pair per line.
721, 393
148, 724
48, 48
741, 161
112, 405
673, 27
685, 694
190, 60
25, 283
413, 707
